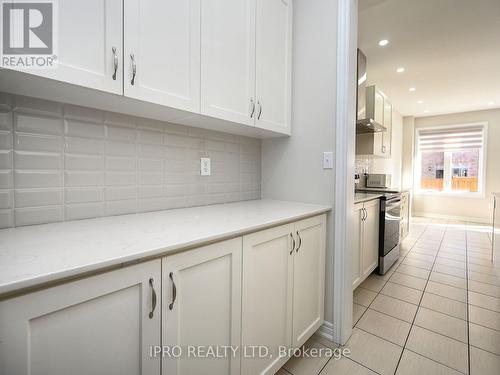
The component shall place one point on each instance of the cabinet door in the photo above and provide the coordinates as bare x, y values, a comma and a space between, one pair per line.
201, 306
357, 245
97, 325
163, 36
386, 136
87, 33
308, 278
267, 296
370, 237
228, 60
274, 65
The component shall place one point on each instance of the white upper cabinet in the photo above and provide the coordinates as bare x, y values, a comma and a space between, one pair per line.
228, 60
274, 65
162, 52
89, 45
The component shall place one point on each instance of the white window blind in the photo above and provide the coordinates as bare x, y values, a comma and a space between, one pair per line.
459, 138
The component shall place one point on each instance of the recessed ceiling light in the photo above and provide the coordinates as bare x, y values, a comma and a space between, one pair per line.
420, 101
426, 111
400, 70
383, 42
491, 103
411, 89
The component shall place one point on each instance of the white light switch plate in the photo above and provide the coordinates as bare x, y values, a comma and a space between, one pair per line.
328, 160
205, 169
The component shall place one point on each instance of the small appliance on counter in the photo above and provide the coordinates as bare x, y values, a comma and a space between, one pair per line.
382, 181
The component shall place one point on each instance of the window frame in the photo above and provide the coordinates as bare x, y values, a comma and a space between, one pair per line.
481, 193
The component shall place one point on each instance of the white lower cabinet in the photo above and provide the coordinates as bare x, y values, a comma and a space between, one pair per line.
365, 255
405, 215
283, 290
201, 305
103, 324
263, 289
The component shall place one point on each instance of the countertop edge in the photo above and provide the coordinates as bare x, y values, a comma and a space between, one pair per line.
25, 286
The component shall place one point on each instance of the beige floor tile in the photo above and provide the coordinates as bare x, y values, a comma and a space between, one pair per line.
307, 365
402, 292
384, 326
451, 255
442, 278
484, 278
425, 251
451, 263
418, 263
442, 323
482, 300
450, 270
414, 364
489, 270
373, 283
442, 349
363, 296
445, 305
409, 281
488, 289
420, 256
373, 352
483, 362
345, 366
413, 271
447, 291
484, 317
485, 338
394, 307
357, 311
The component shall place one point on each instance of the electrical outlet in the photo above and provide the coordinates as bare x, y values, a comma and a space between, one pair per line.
205, 169
328, 160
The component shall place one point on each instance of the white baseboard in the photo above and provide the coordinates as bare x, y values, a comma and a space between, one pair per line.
326, 331
481, 220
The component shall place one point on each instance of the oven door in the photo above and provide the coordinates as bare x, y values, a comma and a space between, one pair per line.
392, 220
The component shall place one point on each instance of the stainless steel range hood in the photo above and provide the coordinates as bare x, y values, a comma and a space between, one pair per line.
365, 119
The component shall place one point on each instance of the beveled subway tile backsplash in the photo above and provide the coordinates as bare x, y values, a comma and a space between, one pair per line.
63, 162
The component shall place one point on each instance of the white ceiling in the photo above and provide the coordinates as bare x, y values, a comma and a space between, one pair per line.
449, 48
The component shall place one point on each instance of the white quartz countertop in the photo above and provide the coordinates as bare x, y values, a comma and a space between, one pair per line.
365, 197
35, 255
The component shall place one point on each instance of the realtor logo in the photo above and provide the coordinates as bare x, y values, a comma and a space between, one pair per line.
28, 34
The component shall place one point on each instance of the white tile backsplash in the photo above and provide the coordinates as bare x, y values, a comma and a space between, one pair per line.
65, 162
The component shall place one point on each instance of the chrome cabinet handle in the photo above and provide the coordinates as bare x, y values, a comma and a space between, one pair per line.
293, 244
383, 149
134, 69
260, 110
174, 291
366, 213
153, 298
252, 111
115, 62
300, 242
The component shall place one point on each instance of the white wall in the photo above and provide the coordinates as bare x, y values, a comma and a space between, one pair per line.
292, 167
474, 209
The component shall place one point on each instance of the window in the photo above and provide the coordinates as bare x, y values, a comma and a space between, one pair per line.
451, 159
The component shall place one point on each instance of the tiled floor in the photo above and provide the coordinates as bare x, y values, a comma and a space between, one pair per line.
437, 311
